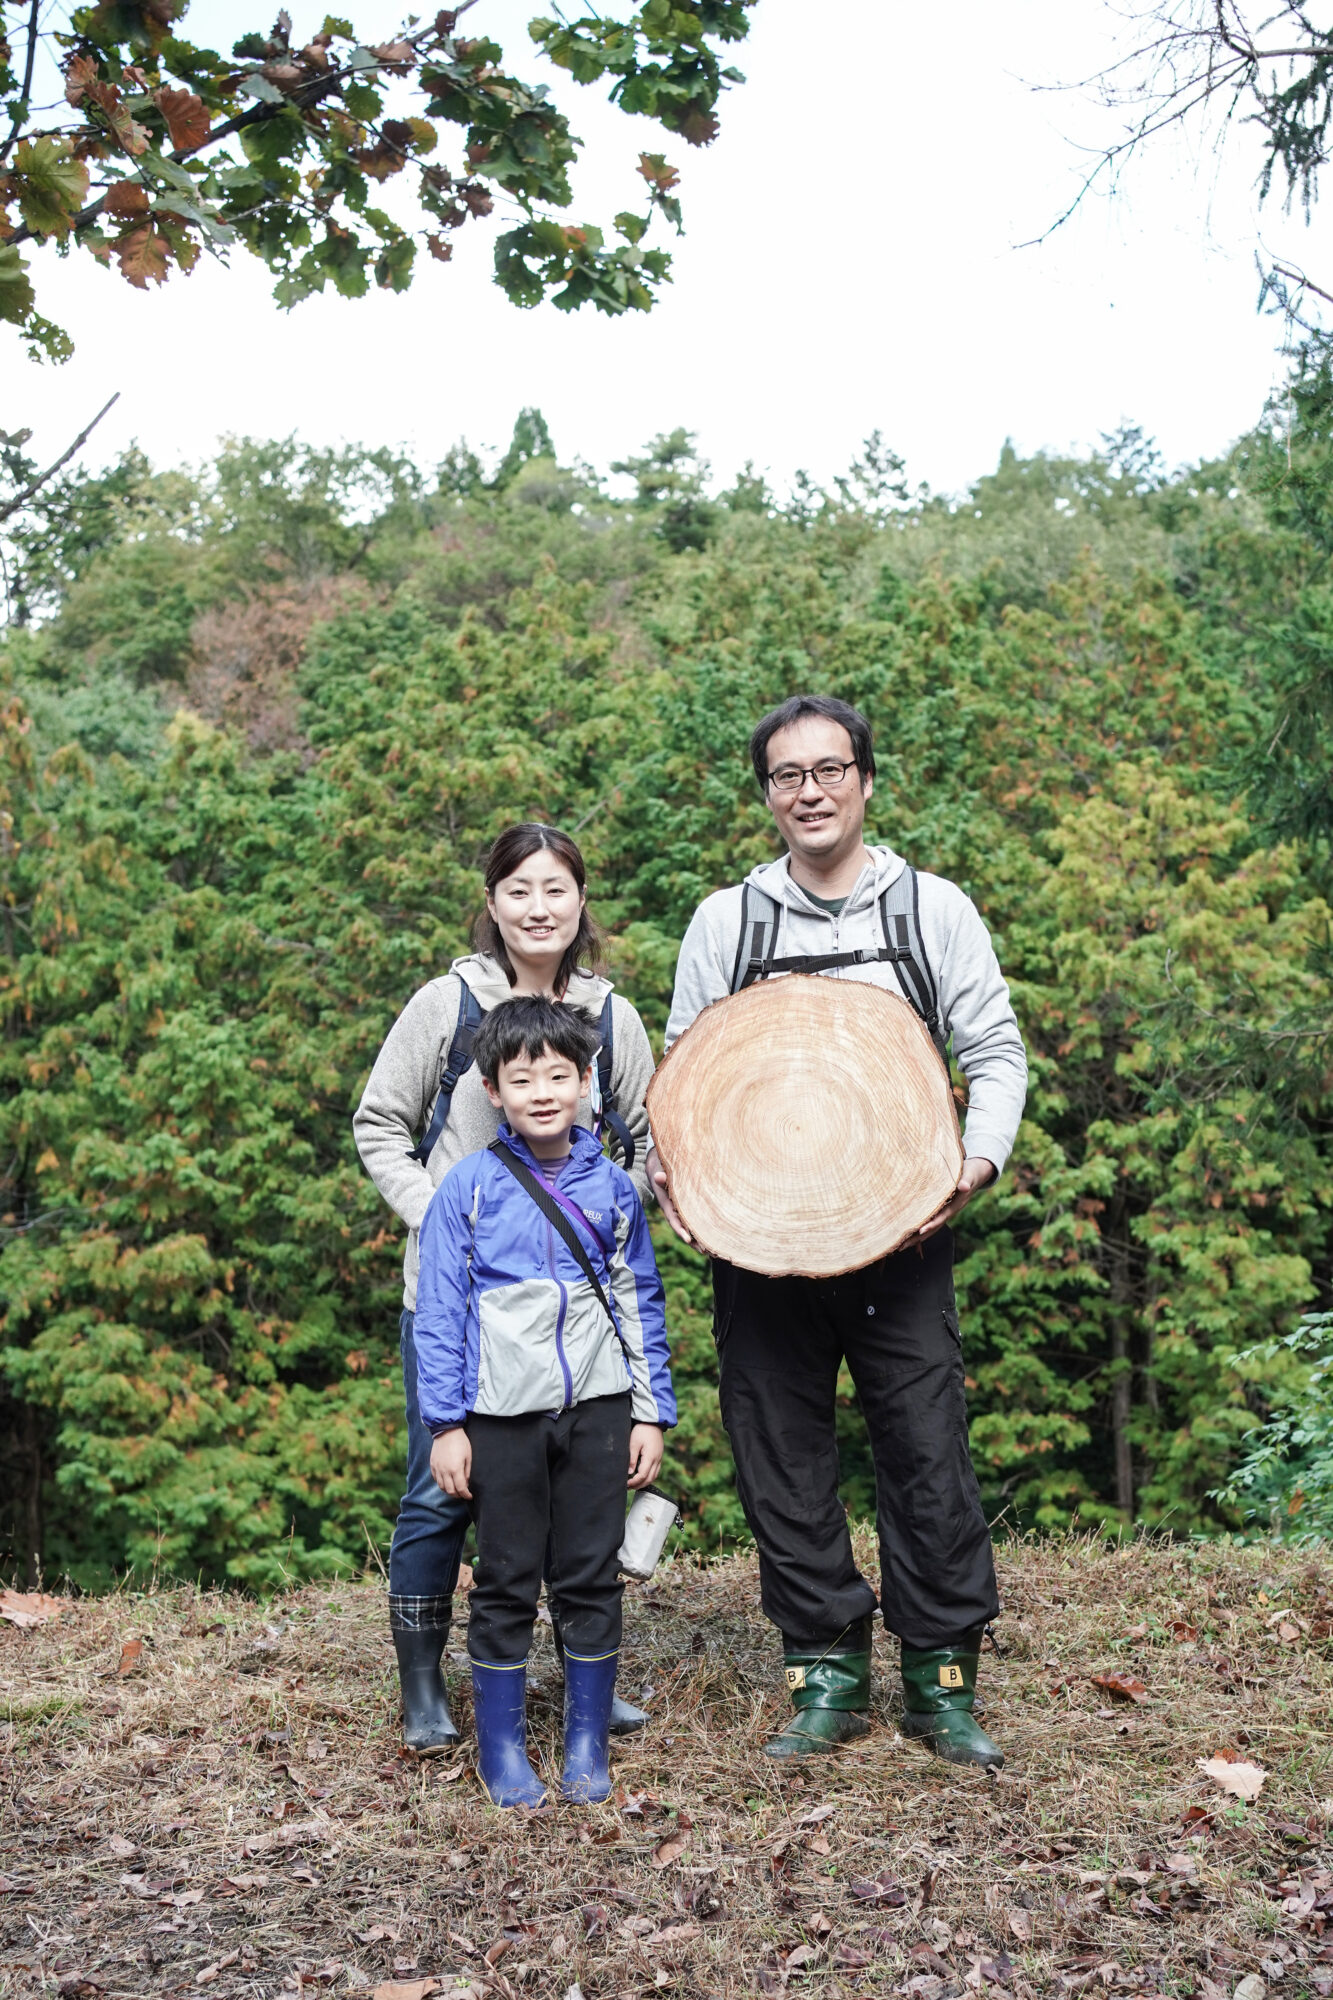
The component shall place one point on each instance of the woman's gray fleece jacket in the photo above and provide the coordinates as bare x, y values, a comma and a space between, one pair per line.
974, 1001
396, 1103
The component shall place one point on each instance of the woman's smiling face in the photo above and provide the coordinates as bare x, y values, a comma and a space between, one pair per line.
536, 910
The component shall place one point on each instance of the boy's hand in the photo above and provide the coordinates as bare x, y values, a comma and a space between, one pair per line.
451, 1463
645, 1453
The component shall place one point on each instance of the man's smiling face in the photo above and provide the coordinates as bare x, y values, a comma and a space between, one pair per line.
820, 823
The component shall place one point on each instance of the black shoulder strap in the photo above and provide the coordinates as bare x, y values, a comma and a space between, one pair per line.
557, 1218
762, 939
900, 918
611, 1117
903, 948
457, 1063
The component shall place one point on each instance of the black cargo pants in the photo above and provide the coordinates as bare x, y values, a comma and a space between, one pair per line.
780, 1342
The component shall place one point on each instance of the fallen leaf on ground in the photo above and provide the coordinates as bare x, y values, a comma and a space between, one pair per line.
1182, 1633
883, 1888
1124, 1686
210, 1972
819, 1813
669, 1850
1020, 1924
120, 1847
409, 1989
26, 1608
130, 1655
1251, 1988
1242, 1780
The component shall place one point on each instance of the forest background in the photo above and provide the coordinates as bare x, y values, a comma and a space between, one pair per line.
259, 723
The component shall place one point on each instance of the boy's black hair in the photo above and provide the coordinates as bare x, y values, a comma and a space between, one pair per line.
795, 709
527, 1027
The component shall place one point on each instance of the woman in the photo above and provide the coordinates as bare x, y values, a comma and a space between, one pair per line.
535, 936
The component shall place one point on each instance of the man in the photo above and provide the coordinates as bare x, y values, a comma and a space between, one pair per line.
834, 906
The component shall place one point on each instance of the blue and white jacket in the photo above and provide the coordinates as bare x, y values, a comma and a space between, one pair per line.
506, 1322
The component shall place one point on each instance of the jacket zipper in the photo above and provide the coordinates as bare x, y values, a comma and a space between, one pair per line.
560, 1319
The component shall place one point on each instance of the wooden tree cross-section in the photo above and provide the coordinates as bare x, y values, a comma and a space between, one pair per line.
807, 1126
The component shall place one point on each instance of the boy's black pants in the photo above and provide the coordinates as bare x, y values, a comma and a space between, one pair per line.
780, 1342
561, 1478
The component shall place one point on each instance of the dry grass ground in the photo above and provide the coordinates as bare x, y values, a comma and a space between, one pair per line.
230, 1813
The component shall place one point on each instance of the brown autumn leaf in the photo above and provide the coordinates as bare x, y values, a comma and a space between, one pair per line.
188, 118
405, 1989
497, 1952
1020, 1926
28, 1608
884, 1888
669, 1850
1125, 1687
126, 199
131, 1655
1243, 1780
1184, 1634
80, 77
142, 255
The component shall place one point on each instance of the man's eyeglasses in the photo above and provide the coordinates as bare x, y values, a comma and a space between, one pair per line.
828, 775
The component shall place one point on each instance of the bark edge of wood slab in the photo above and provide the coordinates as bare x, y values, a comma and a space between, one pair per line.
807, 1126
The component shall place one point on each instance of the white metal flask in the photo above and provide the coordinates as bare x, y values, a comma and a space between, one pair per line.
647, 1525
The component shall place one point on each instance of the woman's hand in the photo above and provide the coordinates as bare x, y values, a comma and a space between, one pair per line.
451, 1463
657, 1181
645, 1453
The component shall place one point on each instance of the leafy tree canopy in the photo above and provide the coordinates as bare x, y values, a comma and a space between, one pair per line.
138, 146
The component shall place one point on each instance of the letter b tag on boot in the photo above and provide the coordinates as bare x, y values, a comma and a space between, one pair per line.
951, 1676
795, 1678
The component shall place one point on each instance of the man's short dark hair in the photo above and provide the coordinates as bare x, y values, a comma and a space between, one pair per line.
528, 1027
829, 709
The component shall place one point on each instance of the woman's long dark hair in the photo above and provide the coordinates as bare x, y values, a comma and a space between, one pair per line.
509, 851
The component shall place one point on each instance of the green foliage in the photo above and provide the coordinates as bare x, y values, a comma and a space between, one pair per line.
249, 771
164, 149
1286, 1476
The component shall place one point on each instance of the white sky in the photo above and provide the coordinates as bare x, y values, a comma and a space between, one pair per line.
849, 264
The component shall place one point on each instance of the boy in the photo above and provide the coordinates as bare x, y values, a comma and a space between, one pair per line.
543, 1376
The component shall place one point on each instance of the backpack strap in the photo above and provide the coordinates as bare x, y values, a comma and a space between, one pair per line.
900, 923
457, 1063
555, 1212
760, 931
900, 920
604, 1109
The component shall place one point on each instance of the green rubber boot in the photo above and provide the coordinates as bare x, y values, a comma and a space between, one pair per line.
939, 1688
830, 1692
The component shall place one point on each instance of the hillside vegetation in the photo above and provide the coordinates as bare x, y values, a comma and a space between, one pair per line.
258, 723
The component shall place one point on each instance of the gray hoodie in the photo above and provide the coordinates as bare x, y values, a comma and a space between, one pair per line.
395, 1105
974, 1000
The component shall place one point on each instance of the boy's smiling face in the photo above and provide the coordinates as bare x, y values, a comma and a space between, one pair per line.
539, 1096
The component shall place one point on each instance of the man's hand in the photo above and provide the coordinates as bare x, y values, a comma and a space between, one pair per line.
657, 1180
451, 1464
977, 1174
645, 1453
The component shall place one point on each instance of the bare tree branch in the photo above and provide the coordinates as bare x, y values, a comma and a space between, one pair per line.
35, 486
29, 64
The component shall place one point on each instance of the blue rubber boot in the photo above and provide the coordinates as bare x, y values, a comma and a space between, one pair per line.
499, 1714
590, 1687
